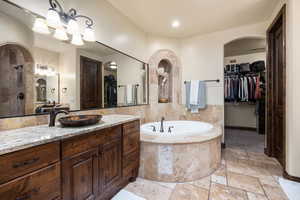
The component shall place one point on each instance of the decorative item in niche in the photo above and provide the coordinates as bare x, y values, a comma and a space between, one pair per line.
65, 23
41, 90
164, 82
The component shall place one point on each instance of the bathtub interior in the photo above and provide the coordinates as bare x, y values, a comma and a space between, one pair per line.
180, 128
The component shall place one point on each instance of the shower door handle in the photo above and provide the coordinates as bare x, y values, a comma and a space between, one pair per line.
21, 96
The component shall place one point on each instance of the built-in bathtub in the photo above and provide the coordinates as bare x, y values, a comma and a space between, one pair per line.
191, 150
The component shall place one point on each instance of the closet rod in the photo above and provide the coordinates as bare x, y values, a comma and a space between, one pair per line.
218, 80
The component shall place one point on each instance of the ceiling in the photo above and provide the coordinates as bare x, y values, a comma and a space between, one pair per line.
196, 16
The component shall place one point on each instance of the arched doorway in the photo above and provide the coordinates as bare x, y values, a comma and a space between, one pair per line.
14, 61
245, 93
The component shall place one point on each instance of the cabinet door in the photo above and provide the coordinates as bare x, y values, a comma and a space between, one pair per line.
111, 165
80, 176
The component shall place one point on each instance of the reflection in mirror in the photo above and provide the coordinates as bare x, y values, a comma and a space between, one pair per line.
39, 72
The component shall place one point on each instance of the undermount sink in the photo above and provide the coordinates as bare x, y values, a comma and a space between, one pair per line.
79, 120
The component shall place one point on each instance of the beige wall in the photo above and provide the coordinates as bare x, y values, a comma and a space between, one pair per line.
50, 59
14, 31
155, 43
202, 56
68, 72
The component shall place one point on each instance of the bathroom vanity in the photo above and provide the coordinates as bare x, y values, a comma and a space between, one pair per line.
95, 162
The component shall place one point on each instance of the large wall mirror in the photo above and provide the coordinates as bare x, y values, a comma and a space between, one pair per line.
38, 72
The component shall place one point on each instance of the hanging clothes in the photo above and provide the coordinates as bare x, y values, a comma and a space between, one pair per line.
258, 89
242, 88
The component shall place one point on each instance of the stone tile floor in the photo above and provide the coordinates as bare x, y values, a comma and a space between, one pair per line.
244, 139
243, 175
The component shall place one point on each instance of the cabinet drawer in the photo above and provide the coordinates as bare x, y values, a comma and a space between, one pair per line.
131, 127
40, 185
131, 142
113, 133
79, 144
25, 161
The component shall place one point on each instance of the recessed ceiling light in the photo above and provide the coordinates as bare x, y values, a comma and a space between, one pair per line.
175, 24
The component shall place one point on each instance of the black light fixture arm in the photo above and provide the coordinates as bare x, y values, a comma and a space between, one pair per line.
88, 21
56, 6
72, 14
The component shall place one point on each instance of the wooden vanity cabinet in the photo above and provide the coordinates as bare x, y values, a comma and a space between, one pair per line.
99, 164
131, 150
92, 166
80, 176
41, 184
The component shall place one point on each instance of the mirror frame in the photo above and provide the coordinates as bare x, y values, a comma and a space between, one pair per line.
100, 43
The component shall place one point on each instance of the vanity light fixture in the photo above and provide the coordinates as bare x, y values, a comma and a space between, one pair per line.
61, 34
40, 26
77, 40
113, 65
65, 23
43, 70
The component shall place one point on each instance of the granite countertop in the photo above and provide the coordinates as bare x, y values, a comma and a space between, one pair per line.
18, 139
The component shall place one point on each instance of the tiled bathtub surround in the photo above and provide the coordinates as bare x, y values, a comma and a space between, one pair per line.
180, 158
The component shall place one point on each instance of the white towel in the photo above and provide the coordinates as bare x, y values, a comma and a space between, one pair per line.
194, 96
129, 98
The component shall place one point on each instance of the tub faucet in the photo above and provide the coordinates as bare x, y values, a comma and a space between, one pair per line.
153, 128
162, 125
170, 129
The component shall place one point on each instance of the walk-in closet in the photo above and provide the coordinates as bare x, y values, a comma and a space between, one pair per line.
245, 93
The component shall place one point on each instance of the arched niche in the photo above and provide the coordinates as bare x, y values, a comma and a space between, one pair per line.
168, 60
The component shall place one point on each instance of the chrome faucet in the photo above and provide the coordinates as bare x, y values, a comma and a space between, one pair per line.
162, 125
53, 113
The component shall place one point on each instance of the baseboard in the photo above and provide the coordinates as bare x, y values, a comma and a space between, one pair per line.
223, 145
241, 128
291, 178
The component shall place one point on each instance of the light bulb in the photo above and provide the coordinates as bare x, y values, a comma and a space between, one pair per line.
89, 35
113, 65
73, 27
60, 34
175, 24
77, 40
40, 26
53, 19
